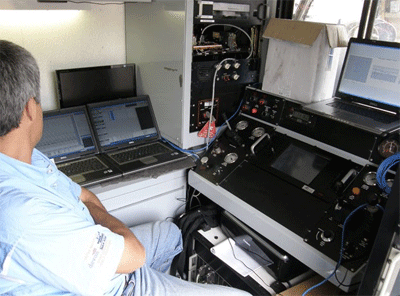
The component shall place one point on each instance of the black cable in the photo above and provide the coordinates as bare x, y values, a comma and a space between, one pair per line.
191, 200
341, 282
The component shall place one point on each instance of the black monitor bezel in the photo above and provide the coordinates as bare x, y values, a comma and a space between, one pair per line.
64, 104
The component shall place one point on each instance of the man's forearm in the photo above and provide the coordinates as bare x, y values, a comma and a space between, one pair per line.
88, 196
102, 217
133, 256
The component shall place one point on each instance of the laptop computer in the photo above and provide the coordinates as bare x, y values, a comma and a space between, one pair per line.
368, 90
127, 132
69, 141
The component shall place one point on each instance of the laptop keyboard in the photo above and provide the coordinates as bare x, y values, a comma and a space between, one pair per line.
82, 166
370, 113
139, 152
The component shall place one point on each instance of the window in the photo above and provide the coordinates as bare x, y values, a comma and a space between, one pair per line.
387, 21
386, 25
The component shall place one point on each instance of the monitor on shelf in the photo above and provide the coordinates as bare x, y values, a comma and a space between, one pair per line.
81, 86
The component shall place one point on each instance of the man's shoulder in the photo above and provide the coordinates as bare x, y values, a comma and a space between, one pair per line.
18, 199
13, 198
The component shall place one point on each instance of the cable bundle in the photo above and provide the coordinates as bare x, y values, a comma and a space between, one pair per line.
383, 168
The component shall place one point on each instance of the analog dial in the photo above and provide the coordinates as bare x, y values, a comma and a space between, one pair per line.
258, 132
231, 157
388, 148
241, 125
370, 178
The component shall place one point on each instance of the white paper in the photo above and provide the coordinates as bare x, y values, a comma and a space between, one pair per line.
235, 257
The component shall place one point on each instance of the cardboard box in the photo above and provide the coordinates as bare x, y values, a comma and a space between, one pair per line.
327, 289
302, 59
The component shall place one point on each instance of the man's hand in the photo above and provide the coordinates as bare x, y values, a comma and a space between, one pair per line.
134, 254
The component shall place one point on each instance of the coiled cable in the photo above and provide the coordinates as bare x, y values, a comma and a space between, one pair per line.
383, 168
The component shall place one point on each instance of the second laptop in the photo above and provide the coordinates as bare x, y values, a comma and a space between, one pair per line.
128, 134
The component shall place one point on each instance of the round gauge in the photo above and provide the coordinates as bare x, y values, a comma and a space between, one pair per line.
241, 125
370, 178
388, 148
258, 132
231, 157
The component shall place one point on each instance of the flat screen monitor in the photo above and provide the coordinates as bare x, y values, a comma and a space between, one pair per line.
81, 86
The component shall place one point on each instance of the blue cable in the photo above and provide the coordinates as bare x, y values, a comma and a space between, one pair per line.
341, 249
193, 151
383, 168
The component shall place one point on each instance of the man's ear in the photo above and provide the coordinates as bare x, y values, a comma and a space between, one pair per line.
30, 109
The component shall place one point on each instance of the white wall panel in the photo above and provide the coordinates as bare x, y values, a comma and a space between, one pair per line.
61, 39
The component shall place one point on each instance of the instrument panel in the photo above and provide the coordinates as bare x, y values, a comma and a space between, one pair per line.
308, 190
323, 198
360, 228
244, 139
291, 115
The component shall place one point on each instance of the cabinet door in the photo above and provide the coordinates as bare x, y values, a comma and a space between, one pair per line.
161, 207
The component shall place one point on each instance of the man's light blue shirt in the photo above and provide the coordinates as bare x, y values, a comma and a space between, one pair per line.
49, 243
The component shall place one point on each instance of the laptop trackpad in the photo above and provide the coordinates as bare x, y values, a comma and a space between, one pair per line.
78, 178
148, 160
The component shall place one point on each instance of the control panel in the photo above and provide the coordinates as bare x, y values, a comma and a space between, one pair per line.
344, 226
242, 140
227, 79
279, 175
262, 105
332, 204
292, 116
226, 56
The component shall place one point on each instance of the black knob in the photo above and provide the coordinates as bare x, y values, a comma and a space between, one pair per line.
373, 199
327, 236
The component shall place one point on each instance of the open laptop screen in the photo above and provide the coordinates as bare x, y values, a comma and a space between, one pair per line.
123, 122
66, 134
82, 86
371, 74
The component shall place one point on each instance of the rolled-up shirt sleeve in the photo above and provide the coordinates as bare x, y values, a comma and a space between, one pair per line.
61, 248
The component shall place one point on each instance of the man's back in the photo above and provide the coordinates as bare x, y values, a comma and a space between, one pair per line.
49, 242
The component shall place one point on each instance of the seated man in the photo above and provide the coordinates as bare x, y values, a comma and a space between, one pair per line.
56, 238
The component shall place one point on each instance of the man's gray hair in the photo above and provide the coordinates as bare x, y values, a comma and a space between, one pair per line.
19, 81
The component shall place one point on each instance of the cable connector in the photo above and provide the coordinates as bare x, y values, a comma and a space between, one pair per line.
218, 67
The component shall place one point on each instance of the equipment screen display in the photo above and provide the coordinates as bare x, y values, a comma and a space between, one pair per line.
300, 164
302, 116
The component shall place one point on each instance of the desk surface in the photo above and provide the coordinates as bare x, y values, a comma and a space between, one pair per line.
152, 173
